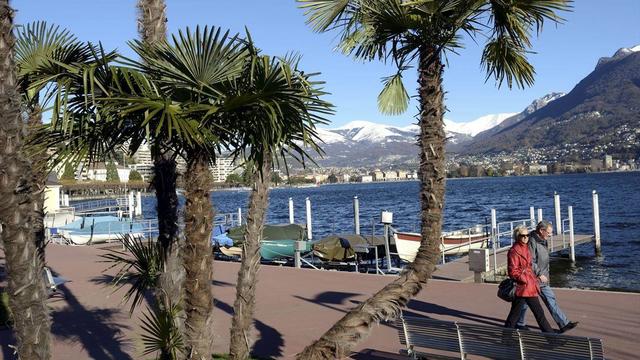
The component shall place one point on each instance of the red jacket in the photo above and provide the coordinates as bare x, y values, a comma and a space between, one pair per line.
520, 270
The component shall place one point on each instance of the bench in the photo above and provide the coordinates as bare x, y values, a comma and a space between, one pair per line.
52, 282
454, 340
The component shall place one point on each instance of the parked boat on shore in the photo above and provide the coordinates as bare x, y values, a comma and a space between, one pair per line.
97, 229
452, 243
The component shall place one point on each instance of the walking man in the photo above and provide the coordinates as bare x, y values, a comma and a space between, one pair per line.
538, 247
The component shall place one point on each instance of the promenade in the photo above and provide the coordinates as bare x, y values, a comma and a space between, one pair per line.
295, 306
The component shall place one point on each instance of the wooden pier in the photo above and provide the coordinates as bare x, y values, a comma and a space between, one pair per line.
458, 270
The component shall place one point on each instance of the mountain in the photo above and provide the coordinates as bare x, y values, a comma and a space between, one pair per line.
365, 143
602, 110
478, 125
534, 106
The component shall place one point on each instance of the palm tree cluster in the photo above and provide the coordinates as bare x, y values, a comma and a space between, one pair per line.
199, 93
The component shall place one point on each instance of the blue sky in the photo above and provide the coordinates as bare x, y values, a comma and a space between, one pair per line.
564, 54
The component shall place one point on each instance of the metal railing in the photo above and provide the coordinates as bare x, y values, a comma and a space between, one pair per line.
88, 206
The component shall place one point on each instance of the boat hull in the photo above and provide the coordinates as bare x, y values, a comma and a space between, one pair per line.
407, 244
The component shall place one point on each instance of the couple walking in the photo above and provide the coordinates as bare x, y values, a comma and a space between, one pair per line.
528, 265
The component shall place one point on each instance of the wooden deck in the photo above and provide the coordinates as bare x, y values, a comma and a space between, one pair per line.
458, 270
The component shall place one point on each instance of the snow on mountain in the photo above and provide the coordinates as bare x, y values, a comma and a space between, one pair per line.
621, 53
478, 125
330, 137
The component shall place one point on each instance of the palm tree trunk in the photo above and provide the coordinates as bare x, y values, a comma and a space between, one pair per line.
152, 27
244, 305
172, 278
40, 178
198, 260
387, 303
152, 20
25, 285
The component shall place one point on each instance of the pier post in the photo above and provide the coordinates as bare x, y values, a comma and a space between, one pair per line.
539, 214
356, 215
556, 206
291, 217
309, 233
139, 204
596, 223
572, 248
532, 216
66, 199
130, 205
495, 240
386, 218
239, 216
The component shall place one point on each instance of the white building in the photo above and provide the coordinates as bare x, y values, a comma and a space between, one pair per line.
224, 167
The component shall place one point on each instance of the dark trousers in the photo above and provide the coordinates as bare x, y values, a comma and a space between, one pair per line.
536, 308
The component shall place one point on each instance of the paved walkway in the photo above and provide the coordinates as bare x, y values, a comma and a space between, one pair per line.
296, 306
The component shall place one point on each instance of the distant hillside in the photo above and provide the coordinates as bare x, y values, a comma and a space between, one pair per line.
602, 109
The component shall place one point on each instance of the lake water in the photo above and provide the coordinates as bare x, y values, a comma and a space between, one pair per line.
469, 202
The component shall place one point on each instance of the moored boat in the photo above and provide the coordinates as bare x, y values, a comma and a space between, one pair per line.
278, 241
452, 243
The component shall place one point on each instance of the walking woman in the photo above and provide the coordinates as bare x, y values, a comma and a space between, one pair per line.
527, 288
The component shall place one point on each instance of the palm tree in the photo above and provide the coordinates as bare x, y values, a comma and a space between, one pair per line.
153, 29
423, 31
281, 122
25, 281
41, 52
190, 72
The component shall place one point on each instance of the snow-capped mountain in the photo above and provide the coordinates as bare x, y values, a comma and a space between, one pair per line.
478, 125
621, 53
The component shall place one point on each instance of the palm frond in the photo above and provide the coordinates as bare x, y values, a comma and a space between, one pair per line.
139, 265
160, 331
505, 60
393, 99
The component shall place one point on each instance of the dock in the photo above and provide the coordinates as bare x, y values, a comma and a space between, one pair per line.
296, 306
458, 269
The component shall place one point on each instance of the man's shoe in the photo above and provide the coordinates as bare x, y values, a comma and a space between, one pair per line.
522, 327
570, 325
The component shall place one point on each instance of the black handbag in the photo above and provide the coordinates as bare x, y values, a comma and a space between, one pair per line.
507, 290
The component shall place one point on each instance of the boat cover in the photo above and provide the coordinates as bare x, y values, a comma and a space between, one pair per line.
344, 247
272, 232
219, 237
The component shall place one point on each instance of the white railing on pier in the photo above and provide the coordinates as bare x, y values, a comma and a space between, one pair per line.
89, 206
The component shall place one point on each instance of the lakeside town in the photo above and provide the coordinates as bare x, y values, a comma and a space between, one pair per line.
227, 172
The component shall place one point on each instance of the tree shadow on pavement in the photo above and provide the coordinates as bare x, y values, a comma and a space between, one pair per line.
96, 329
269, 344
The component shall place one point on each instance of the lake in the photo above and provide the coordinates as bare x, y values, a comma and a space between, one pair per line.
469, 202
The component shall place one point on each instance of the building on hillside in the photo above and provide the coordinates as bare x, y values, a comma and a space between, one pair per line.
146, 170
346, 178
366, 178
402, 175
320, 178
143, 155
608, 162
535, 169
377, 175
391, 175
223, 167
596, 165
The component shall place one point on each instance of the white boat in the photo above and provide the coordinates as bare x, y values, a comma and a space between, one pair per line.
99, 229
453, 243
